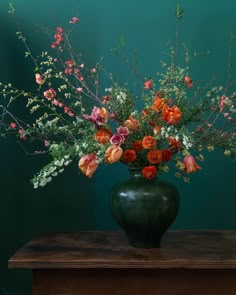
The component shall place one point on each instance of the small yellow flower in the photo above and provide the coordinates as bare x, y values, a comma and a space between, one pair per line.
185, 153
200, 148
210, 148
177, 174
166, 168
180, 165
200, 157
186, 179
227, 153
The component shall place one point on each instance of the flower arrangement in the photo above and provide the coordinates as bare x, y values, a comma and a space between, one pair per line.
165, 125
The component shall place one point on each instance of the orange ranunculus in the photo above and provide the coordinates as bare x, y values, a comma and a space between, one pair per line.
190, 164
154, 156
156, 130
103, 135
158, 104
132, 124
137, 145
148, 142
129, 155
171, 115
149, 172
174, 145
113, 153
166, 155
88, 164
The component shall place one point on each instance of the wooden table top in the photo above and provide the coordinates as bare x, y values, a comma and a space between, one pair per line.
101, 249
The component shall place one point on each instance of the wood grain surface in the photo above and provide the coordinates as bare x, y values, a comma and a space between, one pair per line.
179, 250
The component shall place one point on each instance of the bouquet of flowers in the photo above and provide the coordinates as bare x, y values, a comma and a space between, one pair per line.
163, 125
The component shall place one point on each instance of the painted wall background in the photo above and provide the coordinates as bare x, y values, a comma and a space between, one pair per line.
72, 202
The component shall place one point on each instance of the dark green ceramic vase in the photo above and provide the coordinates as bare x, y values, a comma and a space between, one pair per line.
144, 209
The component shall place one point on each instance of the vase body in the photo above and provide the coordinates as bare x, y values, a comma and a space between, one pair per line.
144, 208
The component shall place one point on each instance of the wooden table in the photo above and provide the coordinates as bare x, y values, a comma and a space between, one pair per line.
102, 263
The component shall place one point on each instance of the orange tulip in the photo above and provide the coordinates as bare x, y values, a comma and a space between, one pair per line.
103, 135
171, 115
148, 142
132, 124
154, 156
88, 164
113, 154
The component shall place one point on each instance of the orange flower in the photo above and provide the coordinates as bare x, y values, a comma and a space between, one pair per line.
149, 172
132, 124
113, 154
171, 115
158, 104
166, 155
154, 156
148, 142
88, 164
137, 145
156, 130
129, 155
190, 164
103, 135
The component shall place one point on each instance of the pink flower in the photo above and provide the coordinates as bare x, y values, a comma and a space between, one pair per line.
79, 89
20, 131
188, 81
55, 102
13, 125
50, 93
123, 131
69, 63
113, 154
190, 164
68, 71
60, 105
66, 109
46, 143
93, 70
39, 79
59, 30
99, 116
117, 139
75, 19
148, 84
88, 164
82, 66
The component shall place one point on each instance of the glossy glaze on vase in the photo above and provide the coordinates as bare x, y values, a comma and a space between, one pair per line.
144, 209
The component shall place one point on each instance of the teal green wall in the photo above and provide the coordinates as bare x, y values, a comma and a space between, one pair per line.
72, 202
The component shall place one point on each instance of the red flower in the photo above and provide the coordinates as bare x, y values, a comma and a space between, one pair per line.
149, 172
166, 155
129, 155
137, 145
154, 156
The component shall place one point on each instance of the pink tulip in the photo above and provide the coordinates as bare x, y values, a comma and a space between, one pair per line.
117, 139
88, 164
190, 164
